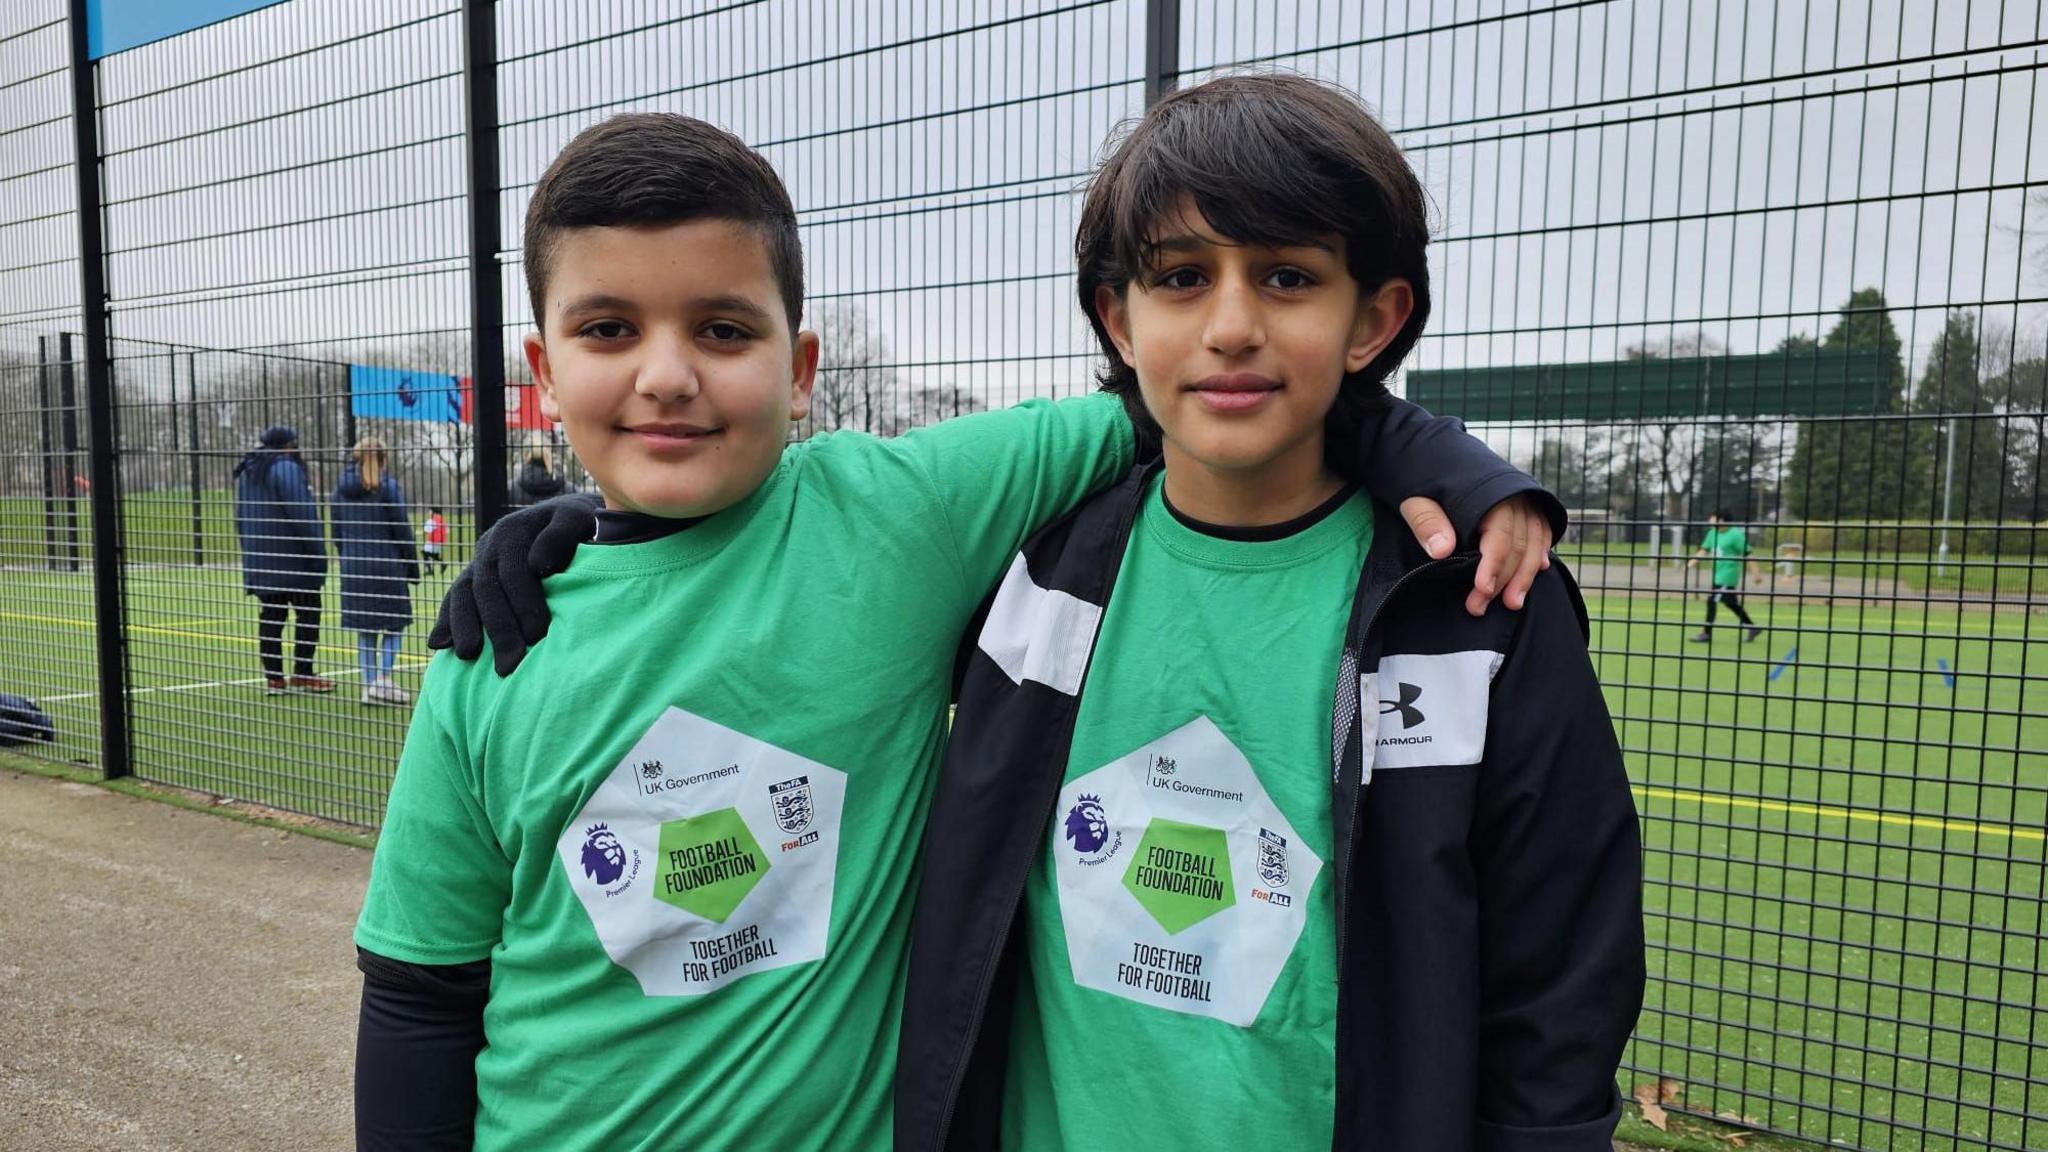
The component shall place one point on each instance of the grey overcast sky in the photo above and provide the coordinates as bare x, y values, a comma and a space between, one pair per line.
1602, 173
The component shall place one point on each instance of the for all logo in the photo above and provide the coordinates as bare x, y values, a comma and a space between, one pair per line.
727, 895
1203, 916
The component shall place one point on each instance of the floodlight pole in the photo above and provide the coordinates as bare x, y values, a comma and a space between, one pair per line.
108, 619
486, 289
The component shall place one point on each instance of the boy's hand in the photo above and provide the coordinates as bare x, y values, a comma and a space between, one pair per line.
1514, 545
499, 595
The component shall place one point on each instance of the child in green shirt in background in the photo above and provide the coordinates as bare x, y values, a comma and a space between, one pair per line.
1728, 545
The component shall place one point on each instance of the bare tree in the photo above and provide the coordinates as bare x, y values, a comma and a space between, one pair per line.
858, 388
1674, 445
855, 389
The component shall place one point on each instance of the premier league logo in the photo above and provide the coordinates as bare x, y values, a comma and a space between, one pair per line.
604, 858
791, 800
1272, 859
1088, 825
406, 394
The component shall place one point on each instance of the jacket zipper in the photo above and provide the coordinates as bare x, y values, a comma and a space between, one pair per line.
1002, 940
1364, 736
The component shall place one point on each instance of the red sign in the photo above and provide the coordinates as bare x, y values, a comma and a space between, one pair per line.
522, 407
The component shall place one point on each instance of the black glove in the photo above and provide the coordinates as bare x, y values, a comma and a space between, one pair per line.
499, 594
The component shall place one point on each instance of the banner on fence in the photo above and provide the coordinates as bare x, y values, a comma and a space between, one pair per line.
117, 25
400, 394
522, 407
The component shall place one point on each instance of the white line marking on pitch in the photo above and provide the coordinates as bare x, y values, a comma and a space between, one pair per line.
337, 672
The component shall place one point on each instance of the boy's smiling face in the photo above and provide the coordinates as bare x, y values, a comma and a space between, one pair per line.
1240, 349
667, 356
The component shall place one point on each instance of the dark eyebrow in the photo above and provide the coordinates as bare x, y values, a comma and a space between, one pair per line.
1184, 242
730, 303
597, 302
746, 309
1179, 242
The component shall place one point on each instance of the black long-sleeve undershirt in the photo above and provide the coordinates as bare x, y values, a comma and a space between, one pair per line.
417, 1038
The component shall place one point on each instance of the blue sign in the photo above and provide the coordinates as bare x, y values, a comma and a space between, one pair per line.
401, 394
117, 25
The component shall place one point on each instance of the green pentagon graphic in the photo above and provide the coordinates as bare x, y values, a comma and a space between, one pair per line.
1181, 873
708, 864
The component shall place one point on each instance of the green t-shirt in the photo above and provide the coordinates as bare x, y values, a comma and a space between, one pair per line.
1181, 986
684, 831
1729, 546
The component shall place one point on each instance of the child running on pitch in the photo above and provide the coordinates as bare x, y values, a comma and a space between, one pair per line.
652, 888
1249, 835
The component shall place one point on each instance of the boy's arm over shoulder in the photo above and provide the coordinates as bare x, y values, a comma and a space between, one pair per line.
439, 881
1000, 475
1558, 861
1401, 451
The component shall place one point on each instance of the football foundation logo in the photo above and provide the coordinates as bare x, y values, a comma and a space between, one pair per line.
1193, 920
683, 856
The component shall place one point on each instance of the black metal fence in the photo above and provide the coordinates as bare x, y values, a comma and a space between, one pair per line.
1785, 261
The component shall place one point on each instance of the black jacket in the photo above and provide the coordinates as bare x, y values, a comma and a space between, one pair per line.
1490, 949
534, 484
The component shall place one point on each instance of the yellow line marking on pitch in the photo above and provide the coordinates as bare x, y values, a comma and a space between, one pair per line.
154, 630
1834, 812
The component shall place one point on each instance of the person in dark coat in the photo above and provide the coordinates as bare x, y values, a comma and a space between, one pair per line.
284, 557
537, 481
379, 565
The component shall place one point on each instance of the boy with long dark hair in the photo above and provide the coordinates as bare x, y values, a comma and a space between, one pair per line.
1292, 852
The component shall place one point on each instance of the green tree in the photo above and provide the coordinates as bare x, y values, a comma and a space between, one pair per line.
1952, 399
1734, 471
1853, 467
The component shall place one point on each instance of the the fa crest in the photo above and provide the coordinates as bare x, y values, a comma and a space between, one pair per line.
791, 801
1272, 859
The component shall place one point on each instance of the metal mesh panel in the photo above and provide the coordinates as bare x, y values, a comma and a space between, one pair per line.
931, 151
284, 206
46, 602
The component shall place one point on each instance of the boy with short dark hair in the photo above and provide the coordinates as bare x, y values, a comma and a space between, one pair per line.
652, 888
1149, 919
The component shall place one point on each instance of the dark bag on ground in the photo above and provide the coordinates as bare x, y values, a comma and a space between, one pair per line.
21, 721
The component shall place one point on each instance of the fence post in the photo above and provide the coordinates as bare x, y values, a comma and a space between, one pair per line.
192, 454
348, 410
45, 414
486, 291
67, 428
1162, 48
99, 392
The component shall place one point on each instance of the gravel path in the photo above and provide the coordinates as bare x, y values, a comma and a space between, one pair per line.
170, 979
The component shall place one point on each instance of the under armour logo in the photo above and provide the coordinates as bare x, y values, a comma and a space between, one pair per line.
1410, 715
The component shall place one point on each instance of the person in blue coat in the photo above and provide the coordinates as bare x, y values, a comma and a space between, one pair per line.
379, 565
284, 557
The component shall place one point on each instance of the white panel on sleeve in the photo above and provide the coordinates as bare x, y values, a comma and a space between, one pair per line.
1040, 634
1429, 709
